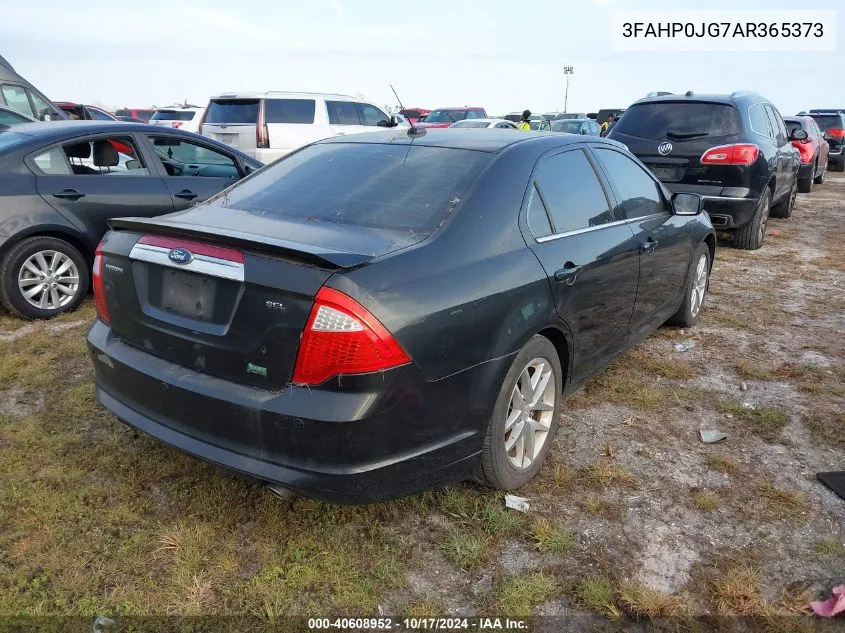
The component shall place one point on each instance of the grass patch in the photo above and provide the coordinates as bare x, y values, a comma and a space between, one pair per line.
643, 602
606, 474
459, 503
501, 521
766, 422
550, 539
597, 595
427, 608
826, 426
753, 371
624, 383
829, 547
723, 464
462, 549
600, 507
669, 368
519, 594
705, 500
736, 592
779, 503
727, 319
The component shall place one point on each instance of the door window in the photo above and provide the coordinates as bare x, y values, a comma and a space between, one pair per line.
16, 98
343, 113
98, 115
289, 110
114, 156
371, 115
52, 162
184, 158
572, 191
42, 108
779, 132
638, 194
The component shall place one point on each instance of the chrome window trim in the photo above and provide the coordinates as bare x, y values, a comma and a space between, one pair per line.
555, 236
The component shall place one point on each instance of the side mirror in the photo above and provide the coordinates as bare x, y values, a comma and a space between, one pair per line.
798, 135
583, 130
392, 121
686, 204
133, 164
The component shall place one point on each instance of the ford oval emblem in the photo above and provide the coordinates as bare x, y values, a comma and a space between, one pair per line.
664, 148
180, 256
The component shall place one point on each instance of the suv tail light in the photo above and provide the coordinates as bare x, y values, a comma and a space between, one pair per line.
97, 282
737, 154
342, 337
262, 135
836, 132
805, 149
176, 124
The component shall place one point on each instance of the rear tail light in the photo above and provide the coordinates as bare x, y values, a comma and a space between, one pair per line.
737, 154
262, 135
176, 124
342, 337
99, 289
805, 149
836, 132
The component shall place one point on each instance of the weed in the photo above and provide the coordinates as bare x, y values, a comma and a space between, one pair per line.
705, 500
826, 426
551, 539
723, 464
501, 521
829, 547
737, 592
669, 368
642, 601
597, 595
462, 549
604, 475
753, 371
519, 594
766, 422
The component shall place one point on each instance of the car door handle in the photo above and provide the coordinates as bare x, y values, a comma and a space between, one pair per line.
568, 274
649, 245
69, 194
186, 194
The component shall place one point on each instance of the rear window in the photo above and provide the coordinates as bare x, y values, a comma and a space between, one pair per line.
449, 116
232, 111
792, 126
829, 122
10, 139
173, 115
471, 124
687, 119
397, 187
569, 127
289, 111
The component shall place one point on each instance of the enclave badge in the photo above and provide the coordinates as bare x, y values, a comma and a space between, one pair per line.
181, 256
664, 148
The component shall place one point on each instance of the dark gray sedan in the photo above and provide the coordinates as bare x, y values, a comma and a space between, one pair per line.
60, 182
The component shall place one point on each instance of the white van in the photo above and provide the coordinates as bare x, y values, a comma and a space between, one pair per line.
268, 125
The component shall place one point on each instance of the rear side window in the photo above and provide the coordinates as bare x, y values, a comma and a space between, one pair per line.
572, 191
232, 111
405, 188
289, 111
687, 119
371, 115
776, 122
760, 121
52, 162
343, 113
538, 217
638, 193
16, 98
173, 115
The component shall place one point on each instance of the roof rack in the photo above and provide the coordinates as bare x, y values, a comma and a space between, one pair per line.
743, 93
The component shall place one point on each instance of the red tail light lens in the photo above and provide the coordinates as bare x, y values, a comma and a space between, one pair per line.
805, 149
836, 132
99, 289
737, 154
262, 136
342, 337
176, 124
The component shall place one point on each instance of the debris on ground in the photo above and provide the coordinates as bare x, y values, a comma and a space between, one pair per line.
743, 386
832, 606
685, 346
748, 405
517, 503
711, 436
775, 232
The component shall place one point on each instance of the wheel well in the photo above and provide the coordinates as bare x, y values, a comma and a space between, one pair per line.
710, 240
561, 346
771, 186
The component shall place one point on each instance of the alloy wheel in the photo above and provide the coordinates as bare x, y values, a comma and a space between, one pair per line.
48, 280
699, 286
530, 411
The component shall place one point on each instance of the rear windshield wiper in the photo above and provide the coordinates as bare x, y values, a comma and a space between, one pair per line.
681, 136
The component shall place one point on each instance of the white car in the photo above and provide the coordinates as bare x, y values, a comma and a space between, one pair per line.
183, 117
491, 123
269, 125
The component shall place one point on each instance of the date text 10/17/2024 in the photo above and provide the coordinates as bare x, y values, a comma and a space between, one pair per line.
417, 624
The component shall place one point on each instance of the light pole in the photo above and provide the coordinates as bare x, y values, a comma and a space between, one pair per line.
567, 71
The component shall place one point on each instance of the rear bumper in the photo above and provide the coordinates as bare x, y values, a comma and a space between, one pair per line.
728, 207
836, 157
404, 436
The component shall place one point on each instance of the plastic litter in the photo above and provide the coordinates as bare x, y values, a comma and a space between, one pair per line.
748, 405
832, 606
711, 436
517, 503
100, 622
685, 346
775, 232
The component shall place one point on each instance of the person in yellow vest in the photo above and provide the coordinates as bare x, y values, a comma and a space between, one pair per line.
524, 124
604, 127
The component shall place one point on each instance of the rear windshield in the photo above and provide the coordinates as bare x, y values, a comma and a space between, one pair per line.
173, 115
10, 139
679, 120
449, 116
791, 126
289, 111
471, 123
570, 127
232, 111
397, 187
829, 121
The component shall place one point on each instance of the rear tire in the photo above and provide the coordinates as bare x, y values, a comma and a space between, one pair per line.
750, 237
840, 166
516, 423
805, 185
21, 275
819, 180
783, 209
695, 291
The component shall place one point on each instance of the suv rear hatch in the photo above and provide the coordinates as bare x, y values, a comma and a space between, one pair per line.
233, 121
669, 137
172, 118
226, 287
833, 127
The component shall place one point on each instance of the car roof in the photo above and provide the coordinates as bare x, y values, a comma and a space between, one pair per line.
487, 120
283, 94
459, 108
58, 130
492, 140
727, 99
570, 120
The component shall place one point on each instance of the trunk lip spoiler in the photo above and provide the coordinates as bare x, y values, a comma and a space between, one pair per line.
324, 257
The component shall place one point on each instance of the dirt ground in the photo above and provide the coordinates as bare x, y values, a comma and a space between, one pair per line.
632, 517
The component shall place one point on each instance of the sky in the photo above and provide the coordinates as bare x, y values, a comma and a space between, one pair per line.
505, 56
